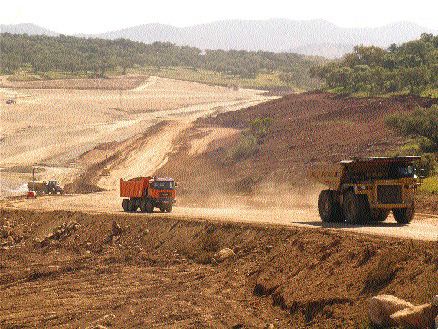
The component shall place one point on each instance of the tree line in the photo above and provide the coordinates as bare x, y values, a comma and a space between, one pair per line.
99, 56
410, 67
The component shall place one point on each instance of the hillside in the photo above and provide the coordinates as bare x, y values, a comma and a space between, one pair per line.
26, 28
82, 57
306, 128
310, 37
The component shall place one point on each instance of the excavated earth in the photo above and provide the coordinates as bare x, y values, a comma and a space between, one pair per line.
96, 267
71, 269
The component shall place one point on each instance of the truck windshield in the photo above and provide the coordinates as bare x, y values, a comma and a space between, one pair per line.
164, 185
401, 171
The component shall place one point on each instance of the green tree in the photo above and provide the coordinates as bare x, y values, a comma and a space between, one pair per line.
421, 123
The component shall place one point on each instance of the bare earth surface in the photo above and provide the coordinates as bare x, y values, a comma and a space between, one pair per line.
77, 261
158, 271
128, 148
53, 127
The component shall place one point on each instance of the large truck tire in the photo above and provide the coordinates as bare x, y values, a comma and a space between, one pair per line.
149, 207
169, 208
132, 205
125, 205
355, 208
143, 205
379, 215
329, 207
404, 215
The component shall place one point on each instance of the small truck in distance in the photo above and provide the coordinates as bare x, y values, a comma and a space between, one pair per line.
147, 193
367, 189
41, 188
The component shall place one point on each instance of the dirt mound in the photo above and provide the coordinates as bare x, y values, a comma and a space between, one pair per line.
140, 271
87, 181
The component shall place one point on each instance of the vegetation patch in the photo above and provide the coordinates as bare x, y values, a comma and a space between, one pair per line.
250, 140
430, 185
411, 67
46, 57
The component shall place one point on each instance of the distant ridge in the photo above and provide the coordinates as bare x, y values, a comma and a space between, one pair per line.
311, 37
26, 28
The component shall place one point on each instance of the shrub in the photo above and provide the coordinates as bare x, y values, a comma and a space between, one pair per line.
259, 128
246, 146
428, 163
250, 139
422, 123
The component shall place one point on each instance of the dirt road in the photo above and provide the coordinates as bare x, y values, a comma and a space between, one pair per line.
423, 227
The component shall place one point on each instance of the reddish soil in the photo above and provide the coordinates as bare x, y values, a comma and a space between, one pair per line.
306, 128
61, 269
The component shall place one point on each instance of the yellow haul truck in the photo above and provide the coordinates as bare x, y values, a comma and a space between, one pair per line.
367, 189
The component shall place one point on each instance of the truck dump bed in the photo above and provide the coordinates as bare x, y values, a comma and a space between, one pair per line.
358, 169
134, 188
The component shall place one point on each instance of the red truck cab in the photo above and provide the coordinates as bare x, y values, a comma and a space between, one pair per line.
148, 193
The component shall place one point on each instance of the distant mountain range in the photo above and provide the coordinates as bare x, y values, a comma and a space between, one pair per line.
26, 28
311, 37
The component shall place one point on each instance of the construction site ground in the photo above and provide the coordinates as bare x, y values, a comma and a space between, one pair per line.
76, 260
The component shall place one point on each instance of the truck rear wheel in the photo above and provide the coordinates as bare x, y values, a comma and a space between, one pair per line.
149, 207
125, 204
355, 207
132, 205
379, 215
169, 208
329, 207
404, 215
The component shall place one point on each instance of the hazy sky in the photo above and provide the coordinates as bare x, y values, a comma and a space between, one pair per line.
88, 16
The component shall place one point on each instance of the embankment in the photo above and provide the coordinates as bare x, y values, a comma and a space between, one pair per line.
70, 268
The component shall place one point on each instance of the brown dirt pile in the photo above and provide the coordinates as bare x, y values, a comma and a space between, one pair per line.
143, 271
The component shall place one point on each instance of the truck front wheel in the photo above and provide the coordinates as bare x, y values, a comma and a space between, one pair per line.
404, 215
169, 208
355, 208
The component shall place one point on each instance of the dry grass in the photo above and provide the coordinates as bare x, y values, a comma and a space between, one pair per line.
115, 83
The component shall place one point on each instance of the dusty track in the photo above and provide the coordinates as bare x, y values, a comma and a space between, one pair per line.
423, 227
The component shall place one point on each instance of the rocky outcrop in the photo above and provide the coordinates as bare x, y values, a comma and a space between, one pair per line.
382, 306
223, 254
388, 310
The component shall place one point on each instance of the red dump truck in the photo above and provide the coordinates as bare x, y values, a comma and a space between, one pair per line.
148, 193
